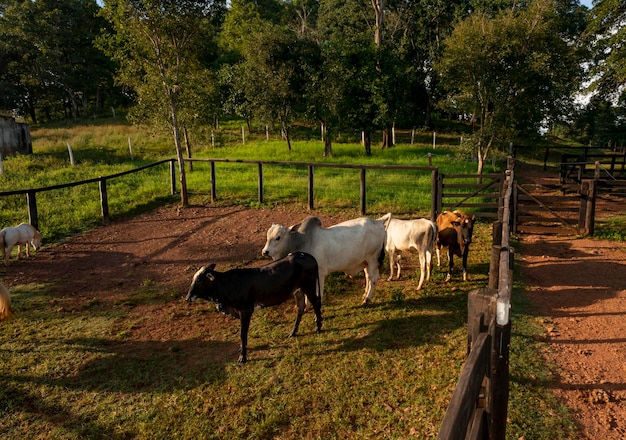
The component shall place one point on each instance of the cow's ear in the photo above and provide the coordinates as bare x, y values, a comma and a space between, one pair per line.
208, 271
295, 227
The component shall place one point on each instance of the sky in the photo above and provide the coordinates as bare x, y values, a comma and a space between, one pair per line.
586, 3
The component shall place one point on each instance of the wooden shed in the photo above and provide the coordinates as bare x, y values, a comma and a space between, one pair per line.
14, 137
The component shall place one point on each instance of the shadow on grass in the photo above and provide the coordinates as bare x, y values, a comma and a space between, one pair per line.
14, 399
143, 366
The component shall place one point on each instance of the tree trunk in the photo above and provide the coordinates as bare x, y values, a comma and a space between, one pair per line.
184, 198
367, 142
328, 145
285, 132
188, 147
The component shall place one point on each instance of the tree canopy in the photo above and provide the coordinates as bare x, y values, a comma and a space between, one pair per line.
512, 68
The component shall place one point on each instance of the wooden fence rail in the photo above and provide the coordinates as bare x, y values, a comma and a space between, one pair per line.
31, 193
479, 405
310, 185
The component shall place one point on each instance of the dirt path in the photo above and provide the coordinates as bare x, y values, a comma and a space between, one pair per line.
579, 285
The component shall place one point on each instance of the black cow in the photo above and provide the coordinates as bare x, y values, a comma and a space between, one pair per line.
455, 232
238, 292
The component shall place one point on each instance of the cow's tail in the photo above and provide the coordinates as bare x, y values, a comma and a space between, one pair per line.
2, 240
5, 303
385, 219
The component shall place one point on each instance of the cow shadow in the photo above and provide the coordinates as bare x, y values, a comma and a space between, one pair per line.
382, 333
143, 366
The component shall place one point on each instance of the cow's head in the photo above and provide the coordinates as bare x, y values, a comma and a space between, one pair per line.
36, 241
279, 241
466, 228
202, 284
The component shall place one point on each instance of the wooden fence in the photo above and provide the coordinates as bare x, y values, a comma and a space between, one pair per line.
31, 194
260, 164
575, 168
479, 405
479, 193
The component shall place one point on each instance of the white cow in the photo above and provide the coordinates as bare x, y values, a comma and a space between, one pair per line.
23, 234
345, 247
405, 235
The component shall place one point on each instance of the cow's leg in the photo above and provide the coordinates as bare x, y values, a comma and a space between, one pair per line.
450, 265
6, 256
438, 250
465, 263
314, 300
372, 275
392, 256
27, 253
19, 250
422, 258
245, 325
300, 304
398, 265
429, 264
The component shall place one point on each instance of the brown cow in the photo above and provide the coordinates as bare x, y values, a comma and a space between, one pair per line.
455, 232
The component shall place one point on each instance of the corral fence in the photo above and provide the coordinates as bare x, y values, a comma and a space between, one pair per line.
479, 193
479, 405
31, 193
262, 165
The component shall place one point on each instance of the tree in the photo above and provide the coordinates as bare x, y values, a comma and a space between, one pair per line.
511, 72
159, 46
48, 62
606, 35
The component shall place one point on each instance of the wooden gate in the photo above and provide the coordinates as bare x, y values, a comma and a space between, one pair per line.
554, 209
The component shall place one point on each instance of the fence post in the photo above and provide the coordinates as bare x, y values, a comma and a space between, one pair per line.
172, 177
590, 225
363, 192
583, 227
31, 200
104, 199
213, 190
494, 265
434, 177
260, 165
440, 193
310, 189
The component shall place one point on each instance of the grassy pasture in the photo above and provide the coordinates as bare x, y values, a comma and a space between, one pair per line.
386, 371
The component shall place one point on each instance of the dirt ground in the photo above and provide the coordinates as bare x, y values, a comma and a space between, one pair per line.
578, 285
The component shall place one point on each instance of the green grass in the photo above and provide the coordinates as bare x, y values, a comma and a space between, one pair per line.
385, 371
613, 228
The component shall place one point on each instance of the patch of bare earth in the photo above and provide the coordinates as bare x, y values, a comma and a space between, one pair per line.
579, 286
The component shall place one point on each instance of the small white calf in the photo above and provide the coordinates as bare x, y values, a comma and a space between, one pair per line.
23, 234
405, 235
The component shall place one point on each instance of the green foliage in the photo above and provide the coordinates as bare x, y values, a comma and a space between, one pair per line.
613, 228
536, 70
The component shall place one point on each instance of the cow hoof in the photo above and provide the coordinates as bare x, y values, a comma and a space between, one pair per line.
390, 279
365, 303
242, 360
448, 278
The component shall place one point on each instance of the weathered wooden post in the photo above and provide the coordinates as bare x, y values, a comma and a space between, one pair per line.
31, 200
260, 180
310, 188
213, 189
363, 192
104, 199
434, 198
